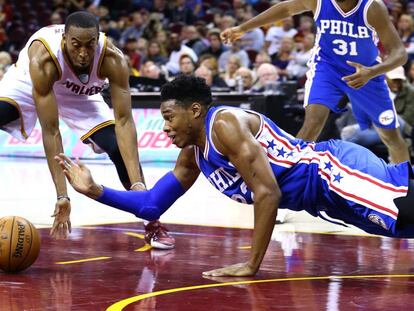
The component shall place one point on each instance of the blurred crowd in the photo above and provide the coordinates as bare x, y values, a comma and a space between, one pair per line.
162, 39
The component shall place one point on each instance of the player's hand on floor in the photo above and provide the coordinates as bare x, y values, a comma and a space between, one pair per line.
61, 225
361, 76
239, 269
79, 176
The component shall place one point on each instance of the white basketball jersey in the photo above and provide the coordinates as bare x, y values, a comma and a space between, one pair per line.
69, 84
80, 103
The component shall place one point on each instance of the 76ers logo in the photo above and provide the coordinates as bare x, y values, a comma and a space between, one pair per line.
377, 220
386, 117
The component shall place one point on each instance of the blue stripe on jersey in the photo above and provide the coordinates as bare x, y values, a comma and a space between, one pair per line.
345, 37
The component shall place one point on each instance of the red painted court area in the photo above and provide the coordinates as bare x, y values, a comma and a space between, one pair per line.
109, 267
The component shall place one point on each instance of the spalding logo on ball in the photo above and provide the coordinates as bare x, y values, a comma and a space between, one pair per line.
19, 244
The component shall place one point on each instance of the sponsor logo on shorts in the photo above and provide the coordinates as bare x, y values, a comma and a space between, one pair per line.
386, 117
377, 220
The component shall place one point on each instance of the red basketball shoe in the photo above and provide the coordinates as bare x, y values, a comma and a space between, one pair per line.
157, 236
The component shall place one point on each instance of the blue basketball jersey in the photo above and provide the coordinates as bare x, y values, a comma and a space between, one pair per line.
343, 36
331, 179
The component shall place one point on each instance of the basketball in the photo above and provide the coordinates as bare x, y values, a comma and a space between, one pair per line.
19, 244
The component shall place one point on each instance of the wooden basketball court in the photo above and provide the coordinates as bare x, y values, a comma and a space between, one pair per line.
310, 264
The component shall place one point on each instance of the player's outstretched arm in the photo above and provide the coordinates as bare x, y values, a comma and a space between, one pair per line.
234, 139
146, 204
275, 13
44, 73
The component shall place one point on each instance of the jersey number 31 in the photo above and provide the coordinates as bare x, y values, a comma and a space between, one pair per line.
344, 47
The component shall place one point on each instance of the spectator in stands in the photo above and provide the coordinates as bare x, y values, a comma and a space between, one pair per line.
4, 40
266, 73
162, 38
405, 28
177, 49
106, 27
226, 21
245, 74
76, 5
135, 30
182, 13
284, 56
275, 34
254, 39
234, 50
297, 67
261, 58
133, 72
205, 73
156, 53
209, 61
131, 49
306, 27
191, 38
139, 4
216, 47
410, 8
150, 80
196, 6
187, 65
5, 60
410, 73
153, 27
229, 75
161, 11
142, 47
56, 18
150, 70
404, 105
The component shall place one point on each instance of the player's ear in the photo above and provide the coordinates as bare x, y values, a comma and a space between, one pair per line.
196, 109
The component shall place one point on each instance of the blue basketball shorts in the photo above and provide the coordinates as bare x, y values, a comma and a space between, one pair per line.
359, 188
371, 104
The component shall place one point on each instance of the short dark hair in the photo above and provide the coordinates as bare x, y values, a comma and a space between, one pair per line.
81, 19
187, 89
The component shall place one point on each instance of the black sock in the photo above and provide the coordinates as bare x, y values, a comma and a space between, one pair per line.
405, 206
8, 113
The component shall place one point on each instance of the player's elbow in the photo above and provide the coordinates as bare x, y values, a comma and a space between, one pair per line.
404, 56
149, 213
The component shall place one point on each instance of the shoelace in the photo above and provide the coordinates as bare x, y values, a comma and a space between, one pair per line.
158, 228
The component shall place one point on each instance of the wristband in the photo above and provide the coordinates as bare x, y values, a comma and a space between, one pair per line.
138, 183
63, 197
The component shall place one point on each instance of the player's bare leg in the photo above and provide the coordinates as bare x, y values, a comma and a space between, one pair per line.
397, 148
315, 119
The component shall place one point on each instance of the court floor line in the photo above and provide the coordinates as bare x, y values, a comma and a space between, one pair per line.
81, 260
120, 305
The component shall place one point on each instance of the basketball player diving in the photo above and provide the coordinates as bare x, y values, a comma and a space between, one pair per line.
60, 73
345, 60
248, 158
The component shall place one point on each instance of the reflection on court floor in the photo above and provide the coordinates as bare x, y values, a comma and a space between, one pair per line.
105, 265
